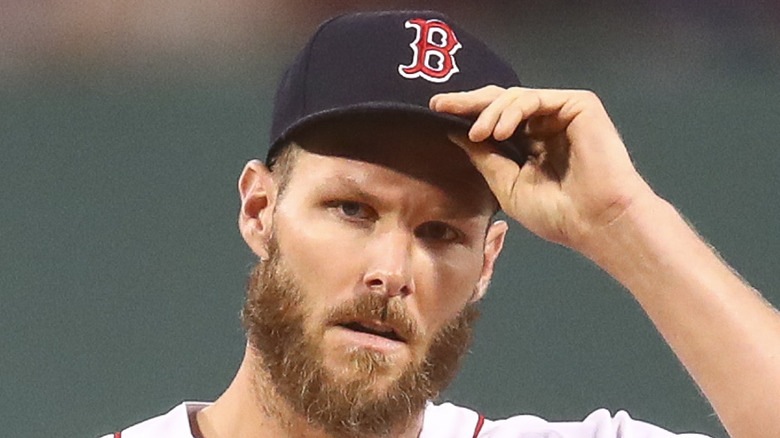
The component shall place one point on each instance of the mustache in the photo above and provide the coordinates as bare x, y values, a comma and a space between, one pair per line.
373, 306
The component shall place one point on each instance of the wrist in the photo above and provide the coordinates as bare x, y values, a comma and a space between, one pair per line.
641, 238
629, 223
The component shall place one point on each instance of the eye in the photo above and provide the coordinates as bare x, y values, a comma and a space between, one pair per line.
438, 231
352, 210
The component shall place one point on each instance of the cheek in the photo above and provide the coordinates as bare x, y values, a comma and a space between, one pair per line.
449, 287
321, 259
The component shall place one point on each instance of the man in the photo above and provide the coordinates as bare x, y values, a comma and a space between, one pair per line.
376, 238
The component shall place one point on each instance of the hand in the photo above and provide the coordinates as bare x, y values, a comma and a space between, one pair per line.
578, 178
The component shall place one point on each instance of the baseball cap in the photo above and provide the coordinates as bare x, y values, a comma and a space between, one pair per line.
384, 64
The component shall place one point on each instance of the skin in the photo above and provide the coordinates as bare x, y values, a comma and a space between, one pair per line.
354, 222
582, 191
579, 189
387, 225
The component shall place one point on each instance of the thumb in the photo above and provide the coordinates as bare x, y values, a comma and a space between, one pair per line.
500, 172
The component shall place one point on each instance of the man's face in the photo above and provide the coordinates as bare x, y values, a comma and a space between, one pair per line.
376, 251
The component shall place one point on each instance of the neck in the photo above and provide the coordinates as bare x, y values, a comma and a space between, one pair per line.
251, 408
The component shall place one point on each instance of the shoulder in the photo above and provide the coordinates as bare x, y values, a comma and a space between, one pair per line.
600, 423
448, 420
173, 424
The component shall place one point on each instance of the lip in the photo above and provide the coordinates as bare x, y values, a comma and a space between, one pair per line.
376, 327
373, 341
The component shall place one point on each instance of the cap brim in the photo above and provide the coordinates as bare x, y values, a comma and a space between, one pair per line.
515, 148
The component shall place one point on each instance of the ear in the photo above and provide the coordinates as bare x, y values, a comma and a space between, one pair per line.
494, 241
258, 192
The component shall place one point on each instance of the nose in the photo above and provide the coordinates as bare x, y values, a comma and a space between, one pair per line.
389, 264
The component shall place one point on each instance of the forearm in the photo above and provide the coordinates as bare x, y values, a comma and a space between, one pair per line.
723, 331
579, 175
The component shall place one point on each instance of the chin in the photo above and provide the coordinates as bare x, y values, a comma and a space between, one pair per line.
366, 364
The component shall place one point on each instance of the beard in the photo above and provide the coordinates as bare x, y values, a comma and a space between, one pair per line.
292, 359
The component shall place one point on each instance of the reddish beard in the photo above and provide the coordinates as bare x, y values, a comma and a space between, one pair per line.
274, 320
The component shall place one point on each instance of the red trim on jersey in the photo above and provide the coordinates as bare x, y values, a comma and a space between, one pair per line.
480, 423
117, 434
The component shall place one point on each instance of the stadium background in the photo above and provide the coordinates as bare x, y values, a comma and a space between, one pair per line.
124, 125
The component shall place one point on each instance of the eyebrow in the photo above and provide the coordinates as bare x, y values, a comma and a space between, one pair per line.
350, 184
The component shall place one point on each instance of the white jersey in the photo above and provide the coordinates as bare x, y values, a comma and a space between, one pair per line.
448, 421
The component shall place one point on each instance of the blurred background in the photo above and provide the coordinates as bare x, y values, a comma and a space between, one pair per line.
124, 126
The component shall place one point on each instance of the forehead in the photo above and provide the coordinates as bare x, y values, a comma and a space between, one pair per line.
410, 153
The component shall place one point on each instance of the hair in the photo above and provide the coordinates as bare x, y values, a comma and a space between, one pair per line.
283, 163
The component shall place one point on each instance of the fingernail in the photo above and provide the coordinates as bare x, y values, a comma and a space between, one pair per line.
458, 138
475, 136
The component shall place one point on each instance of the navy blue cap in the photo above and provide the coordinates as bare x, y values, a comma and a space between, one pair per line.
385, 63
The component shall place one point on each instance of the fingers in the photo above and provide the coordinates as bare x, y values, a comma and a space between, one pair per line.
466, 103
500, 172
500, 111
497, 118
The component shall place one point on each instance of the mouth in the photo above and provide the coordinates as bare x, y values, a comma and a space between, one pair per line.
374, 328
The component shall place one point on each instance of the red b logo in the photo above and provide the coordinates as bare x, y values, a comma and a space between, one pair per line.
433, 50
